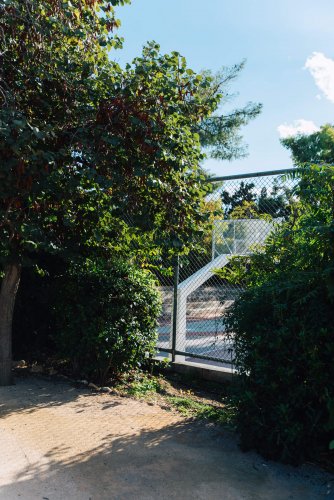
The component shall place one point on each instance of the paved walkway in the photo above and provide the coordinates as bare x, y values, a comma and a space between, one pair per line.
62, 443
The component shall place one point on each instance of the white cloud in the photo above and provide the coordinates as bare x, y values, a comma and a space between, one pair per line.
322, 70
300, 126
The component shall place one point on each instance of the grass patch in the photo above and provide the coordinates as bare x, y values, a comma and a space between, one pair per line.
192, 398
139, 385
144, 386
222, 415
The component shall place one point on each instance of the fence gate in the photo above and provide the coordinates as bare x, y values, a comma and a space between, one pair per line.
245, 210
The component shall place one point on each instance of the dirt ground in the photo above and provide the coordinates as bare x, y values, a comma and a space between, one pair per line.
62, 442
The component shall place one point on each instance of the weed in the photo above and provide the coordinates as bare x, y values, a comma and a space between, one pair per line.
143, 385
191, 408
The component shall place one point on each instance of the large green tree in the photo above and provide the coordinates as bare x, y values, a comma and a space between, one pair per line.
93, 157
51, 55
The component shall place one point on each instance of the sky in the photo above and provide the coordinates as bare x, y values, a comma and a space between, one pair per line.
289, 49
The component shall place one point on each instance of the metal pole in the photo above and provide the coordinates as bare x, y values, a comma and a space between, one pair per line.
281, 171
176, 284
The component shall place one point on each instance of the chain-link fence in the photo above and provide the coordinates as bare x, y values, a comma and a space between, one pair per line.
243, 211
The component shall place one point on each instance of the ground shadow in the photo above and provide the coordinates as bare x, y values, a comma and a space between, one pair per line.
172, 463
182, 460
42, 392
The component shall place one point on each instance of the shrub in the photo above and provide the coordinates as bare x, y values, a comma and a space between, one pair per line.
284, 352
107, 317
283, 331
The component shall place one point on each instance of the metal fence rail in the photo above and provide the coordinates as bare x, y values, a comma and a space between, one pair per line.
243, 211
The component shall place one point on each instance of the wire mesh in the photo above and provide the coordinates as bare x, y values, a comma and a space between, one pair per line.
165, 325
243, 214
239, 236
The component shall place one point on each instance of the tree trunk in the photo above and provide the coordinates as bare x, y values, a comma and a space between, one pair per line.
9, 286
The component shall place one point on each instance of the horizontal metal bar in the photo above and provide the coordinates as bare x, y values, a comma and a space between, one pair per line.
202, 356
249, 175
197, 356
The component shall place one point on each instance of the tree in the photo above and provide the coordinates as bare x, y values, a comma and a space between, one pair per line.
316, 148
93, 158
220, 133
243, 194
51, 53
275, 204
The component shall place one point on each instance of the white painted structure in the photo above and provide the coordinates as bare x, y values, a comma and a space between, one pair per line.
186, 288
230, 237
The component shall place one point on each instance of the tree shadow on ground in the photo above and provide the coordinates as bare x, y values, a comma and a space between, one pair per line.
171, 463
204, 389
32, 393
154, 458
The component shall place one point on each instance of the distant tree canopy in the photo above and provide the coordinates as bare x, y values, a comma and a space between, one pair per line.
316, 148
246, 202
243, 194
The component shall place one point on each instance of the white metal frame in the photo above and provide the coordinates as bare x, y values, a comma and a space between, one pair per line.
184, 289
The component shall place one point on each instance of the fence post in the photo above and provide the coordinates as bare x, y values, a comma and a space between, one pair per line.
175, 295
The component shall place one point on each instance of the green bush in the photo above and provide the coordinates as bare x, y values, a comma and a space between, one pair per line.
283, 329
107, 317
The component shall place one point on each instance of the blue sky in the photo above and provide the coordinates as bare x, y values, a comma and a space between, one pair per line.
289, 47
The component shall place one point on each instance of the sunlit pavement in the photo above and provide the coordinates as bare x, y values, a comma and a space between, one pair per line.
59, 442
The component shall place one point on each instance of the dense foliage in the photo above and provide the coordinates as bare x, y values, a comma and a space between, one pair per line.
275, 203
99, 318
84, 143
106, 317
93, 157
283, 329
317, 148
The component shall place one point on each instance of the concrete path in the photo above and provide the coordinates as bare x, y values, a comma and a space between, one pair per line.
62, 443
